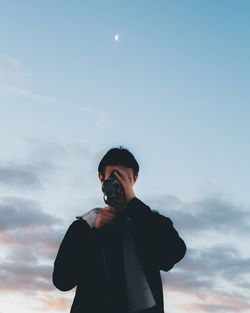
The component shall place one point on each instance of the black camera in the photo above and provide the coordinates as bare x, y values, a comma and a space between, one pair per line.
112, 189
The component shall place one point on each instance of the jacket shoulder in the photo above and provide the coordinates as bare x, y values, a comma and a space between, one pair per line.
160, 217
90, 212
78, 225
89, 217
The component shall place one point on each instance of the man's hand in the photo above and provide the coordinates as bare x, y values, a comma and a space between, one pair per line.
126, 183
107, 216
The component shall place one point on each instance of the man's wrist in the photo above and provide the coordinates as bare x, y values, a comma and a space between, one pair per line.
130, 198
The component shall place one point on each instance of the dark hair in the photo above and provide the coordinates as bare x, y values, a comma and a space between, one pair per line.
118, 156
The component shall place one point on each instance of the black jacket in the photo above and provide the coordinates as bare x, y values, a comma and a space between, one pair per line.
79, 259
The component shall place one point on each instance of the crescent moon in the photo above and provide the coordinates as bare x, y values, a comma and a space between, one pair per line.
117, 37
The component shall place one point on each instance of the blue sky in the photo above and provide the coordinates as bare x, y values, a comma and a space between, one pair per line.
174, 90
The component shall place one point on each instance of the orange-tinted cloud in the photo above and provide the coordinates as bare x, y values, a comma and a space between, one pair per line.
213, 303
56, 303
4, 239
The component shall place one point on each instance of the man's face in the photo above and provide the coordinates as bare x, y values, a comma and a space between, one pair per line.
128, 171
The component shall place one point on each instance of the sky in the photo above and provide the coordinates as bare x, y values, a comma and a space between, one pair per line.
174, 90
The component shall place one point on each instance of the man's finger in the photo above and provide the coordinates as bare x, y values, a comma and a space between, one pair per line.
121, 177
108, 218
108, 209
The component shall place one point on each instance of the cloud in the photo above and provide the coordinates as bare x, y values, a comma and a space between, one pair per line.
207, 214
100, 116
40, 149
12, 71
23, 276
216, 304
22, 271
214, 272
24, 175
14, 80
30, 95
24, 228
202, 268
57, 174
24, 225
215, 276
19, 213
45, 240
72, 163
31, 239
27, 266
42, 165
56, 303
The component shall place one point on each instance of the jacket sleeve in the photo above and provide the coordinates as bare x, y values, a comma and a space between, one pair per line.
73, 256
155, 234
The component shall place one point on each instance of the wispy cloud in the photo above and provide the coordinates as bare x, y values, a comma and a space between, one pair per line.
55, 303
25, 174
43, 164
217, 304
22, 213
30, 95
202, 269
14, 80
211, 213
100, 116
12, 71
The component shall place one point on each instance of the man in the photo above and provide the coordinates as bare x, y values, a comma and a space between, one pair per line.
113, 255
